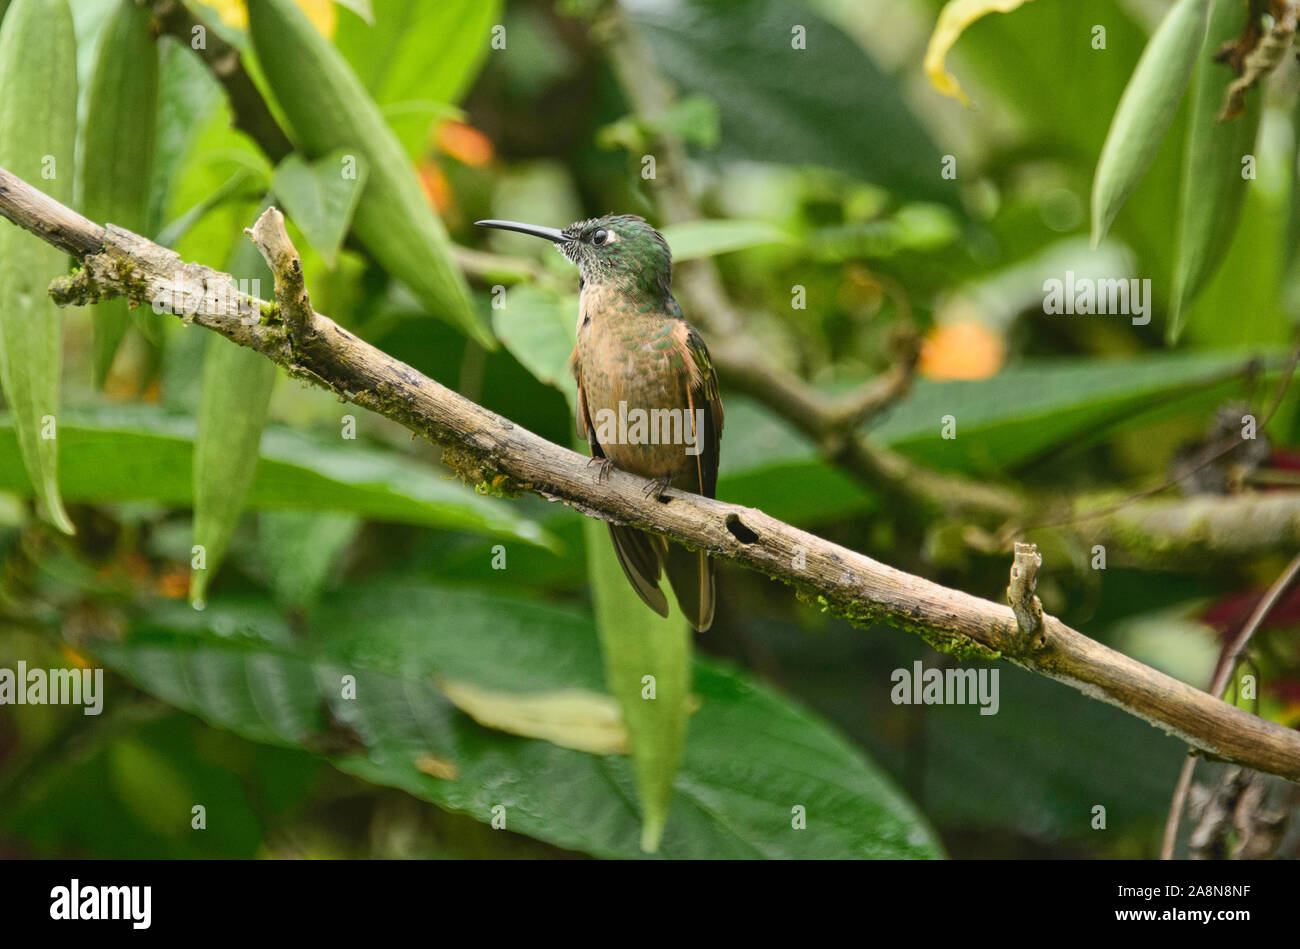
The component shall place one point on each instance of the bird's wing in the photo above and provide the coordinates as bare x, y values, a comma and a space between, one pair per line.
585, 428
702, 393
690, 573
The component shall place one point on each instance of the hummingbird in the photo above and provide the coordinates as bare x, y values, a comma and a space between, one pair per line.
636, 353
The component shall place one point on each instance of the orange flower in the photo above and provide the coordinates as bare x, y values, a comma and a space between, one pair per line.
966, 350
434, 183
464, 143
174, 584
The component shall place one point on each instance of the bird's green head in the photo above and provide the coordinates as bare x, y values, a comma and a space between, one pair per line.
621, 250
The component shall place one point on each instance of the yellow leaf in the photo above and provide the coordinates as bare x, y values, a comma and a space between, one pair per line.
232, 12
570, 718
437, 767
953, 20
320, 12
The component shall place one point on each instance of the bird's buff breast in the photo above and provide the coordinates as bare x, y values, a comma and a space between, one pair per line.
632, 365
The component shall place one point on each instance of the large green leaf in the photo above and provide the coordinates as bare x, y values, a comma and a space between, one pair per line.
959, 762
827, 104
537, 327
752, 759
141, 454
420, 49
1030, 408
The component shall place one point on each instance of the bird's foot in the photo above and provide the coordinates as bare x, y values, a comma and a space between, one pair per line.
605, 465
657, 487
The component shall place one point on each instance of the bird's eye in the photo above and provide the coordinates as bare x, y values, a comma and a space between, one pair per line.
598, 238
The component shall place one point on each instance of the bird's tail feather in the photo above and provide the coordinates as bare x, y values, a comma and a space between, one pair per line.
644, 557
690, 573
640, 559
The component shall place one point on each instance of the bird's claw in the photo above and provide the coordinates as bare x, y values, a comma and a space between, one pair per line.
657, 487
603, 473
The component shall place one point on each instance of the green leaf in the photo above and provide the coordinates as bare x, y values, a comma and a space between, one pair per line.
1028, 409
828, 104
329, 109
298, 549
1146, 110
1213, 187
233, 403
216, 189
320, 198
238, 187
237, 384
648, 669
537, 328
118, 454
412, 120
421, 49
769, 464
696, 239
120, 790
361, 8
752, 755
188, 93
117, 156
38, 129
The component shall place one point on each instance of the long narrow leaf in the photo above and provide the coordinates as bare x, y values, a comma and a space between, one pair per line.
117, 155
329, 109
1146, 110
38, 127
237, 384
1213, 187
647, 668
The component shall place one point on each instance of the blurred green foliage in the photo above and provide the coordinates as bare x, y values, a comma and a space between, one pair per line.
354, 553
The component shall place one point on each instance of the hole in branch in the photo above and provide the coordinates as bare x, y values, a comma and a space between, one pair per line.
739, 530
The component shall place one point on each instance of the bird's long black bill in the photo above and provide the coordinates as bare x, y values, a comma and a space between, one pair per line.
551, 234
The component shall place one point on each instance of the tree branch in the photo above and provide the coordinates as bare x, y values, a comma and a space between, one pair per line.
484, 447
1218, 683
